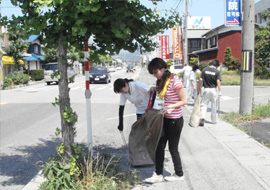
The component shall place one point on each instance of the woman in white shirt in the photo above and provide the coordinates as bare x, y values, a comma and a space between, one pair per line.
136, 92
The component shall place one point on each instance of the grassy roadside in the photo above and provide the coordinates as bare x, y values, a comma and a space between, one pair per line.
260, 111
233, 78
100, 171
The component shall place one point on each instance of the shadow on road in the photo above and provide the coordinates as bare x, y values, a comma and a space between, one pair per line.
25, 162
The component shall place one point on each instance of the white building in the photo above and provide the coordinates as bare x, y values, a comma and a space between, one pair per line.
261, 6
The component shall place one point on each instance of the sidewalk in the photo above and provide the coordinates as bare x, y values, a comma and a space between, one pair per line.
248, 152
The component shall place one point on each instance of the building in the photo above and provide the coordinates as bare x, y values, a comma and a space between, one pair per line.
215, 41
7, 64
35, 58
197, 26
261, 6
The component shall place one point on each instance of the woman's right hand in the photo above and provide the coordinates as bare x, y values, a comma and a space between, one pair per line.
153, 89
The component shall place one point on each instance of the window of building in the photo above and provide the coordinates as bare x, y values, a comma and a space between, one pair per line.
213, 41
260, 19
256, 19
195, 43
36, 49
208, 43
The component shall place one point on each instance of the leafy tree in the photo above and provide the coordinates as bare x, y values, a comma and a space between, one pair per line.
227, 57
73, 54
169, 62
262, 43
112, 26
193, 61
230, 61
16, 47
203, 65
50, 55
104, 59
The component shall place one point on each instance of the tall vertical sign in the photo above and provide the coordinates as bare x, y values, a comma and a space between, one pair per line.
233, 12
164, 52
176, 43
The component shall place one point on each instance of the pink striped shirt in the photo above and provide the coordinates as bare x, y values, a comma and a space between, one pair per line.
172, 98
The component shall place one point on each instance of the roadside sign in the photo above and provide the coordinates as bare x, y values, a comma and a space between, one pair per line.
164, 47
233, 12
176, 43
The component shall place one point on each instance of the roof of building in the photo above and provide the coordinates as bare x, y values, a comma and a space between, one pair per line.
32, 38
34, 57
205, 50
222, 29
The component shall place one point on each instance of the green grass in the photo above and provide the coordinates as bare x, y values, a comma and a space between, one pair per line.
233, 78
260, 111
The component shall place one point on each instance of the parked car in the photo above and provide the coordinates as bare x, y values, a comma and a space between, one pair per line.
50, 68
130, 69
100, 74
176, 69
111, 69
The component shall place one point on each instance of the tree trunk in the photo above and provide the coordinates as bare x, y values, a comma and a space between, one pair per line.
66, 128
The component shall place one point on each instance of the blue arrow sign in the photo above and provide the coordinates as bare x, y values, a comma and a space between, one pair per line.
233, 13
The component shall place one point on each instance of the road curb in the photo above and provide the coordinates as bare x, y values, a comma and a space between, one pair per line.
35, 182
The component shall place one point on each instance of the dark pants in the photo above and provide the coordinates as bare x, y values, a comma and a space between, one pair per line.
171, 132
139, 116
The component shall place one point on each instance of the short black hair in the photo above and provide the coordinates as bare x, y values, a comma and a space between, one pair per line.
119, 84
195, 67
215, 63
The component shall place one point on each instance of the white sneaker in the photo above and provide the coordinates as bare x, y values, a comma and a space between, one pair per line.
174, 177
154, 179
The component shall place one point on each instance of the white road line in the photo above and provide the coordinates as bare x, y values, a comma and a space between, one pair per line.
76, 88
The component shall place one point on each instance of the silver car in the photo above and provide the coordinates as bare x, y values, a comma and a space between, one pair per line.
50, 68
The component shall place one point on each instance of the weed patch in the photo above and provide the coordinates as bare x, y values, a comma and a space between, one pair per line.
87, 172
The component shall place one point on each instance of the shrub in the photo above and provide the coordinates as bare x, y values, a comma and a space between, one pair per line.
193, 61
202, 65
7, 82
19, 78
37, 74
261, 72
169, 62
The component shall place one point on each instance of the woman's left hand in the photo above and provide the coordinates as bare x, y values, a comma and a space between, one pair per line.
163, 110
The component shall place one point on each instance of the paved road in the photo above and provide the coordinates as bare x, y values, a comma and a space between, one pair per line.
28, 122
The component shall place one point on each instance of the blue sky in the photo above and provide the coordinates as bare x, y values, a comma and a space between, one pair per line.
213, 8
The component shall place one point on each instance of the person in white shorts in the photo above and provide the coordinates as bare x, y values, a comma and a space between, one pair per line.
187, 69
192, 88
210, 80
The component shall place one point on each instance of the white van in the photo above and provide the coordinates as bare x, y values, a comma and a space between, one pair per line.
50, 68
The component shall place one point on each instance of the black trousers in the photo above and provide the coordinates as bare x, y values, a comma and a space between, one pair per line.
171, 133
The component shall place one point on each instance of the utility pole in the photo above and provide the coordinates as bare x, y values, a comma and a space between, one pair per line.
247, 63
186, 36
